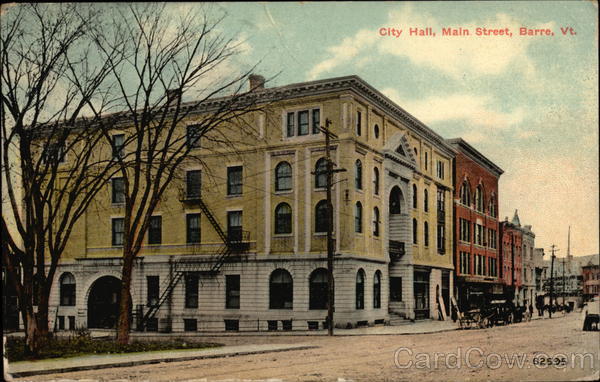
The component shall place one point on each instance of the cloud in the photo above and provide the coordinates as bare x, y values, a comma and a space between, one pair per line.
453, 56
473, 109
348, 49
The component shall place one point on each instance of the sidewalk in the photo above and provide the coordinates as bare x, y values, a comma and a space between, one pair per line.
93, 362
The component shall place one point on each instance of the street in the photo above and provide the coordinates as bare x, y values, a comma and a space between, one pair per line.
518, 352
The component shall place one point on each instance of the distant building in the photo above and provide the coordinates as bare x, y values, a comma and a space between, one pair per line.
591, 280
540, 270
511, 254
528, 270
569, 276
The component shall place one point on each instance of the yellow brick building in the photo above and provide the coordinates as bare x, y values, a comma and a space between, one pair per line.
392, 224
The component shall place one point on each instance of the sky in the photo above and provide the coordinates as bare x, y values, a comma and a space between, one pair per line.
528, 103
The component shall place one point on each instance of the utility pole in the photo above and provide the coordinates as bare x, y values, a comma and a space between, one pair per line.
563, 280
552, 248
330, 242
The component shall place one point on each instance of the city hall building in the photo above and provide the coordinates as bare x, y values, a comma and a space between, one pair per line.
239, 241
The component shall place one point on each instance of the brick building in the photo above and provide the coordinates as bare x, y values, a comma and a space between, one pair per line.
476, 252
511, 255
591, 280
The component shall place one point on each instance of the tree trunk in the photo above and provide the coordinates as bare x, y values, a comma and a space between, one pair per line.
42, 313
123, 324
32, 334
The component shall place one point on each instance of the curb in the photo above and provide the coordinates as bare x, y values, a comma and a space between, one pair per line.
125, 363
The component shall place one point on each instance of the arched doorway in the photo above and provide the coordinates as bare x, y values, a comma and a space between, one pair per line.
103, 303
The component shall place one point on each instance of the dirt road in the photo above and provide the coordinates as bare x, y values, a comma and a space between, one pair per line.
498, 354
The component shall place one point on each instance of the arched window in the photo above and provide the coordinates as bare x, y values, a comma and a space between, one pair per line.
415, 197
376, 181
358, 217
465, 197
479, 199
360, 289
318, 289
426, 233
321, 173
425, 200
283, 218
321, 216
281, 290
67, 289
395, 201
283, 177
358, 174
415, 231
492, 207
377, 290
375, 221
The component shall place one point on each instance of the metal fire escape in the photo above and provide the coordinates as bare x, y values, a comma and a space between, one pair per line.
235, 242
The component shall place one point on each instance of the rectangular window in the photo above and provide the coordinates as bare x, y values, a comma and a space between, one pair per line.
118, 190
316, 121
463, 230
441, 200
192, 136
232, 291
191, 290
492, 238
118, 145
71, 322
290, 124
234, 226
480, 235
155, 230
395, 288
54, 153
193, 228
358, 123
61, 322
441, 238
464, 263
234, 180
192, 183
118, 231
152, 324
232, 325
303, 122
440, 169
152, 283
190, 324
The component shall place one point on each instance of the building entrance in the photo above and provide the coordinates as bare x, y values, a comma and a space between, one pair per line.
103, 303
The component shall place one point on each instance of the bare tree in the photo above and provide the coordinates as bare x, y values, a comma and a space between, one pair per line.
51, 163
167, 58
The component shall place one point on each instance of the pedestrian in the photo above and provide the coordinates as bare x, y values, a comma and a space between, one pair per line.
530, 311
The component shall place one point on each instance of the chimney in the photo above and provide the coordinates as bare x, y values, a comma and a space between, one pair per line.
256, 82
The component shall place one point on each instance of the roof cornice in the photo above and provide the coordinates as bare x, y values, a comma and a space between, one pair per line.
462, 146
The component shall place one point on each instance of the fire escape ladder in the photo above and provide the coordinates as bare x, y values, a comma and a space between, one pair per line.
234, 244
212, 220
163, 297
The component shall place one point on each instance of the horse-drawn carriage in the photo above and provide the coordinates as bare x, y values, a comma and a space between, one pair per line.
495, 312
